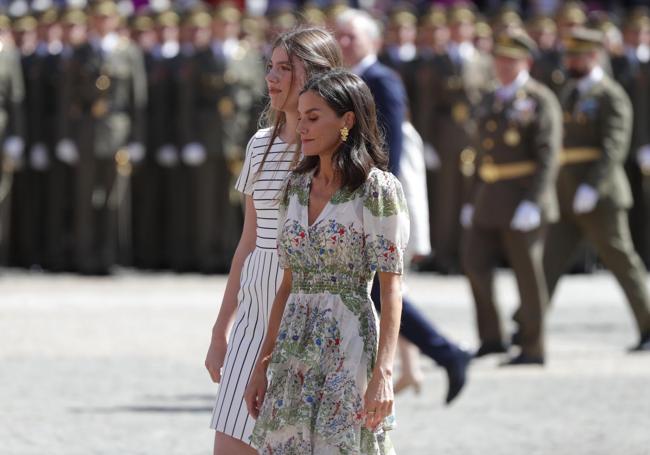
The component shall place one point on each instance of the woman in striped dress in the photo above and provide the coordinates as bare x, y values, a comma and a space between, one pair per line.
255, 274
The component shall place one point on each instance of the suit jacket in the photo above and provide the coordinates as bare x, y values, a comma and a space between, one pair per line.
634, 77
600, 118
390, 99
526, 128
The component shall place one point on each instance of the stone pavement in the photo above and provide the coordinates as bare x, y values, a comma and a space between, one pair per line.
115, 366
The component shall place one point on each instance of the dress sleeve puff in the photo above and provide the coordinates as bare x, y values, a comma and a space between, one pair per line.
246, 178
385, 222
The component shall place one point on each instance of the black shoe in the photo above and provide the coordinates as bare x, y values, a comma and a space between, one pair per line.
523, 359
457, 375
643, 346
515, 340
491, 348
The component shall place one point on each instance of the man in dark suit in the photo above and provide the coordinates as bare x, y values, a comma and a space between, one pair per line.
513, 196
360, 39
593, 191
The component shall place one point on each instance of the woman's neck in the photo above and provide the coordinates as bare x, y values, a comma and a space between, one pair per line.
288, 132
325, 171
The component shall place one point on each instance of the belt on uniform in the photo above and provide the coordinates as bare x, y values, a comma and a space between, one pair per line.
574, 155
491, 172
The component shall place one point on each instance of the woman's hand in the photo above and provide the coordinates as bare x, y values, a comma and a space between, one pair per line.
378, 399
214, 358
256, 390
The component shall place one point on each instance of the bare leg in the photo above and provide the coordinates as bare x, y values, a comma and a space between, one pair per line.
411, 373
227, 445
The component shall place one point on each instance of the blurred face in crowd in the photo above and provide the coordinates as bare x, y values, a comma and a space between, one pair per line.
580, 65
75, 34
168, 33
147, 39
544, 38
223, 30
635, 37
284, 80
460, 32
319, 126
201, 36
105, 24
507, 69
26, 40
355, 44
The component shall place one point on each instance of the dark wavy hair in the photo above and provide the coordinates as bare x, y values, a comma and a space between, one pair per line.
364, 149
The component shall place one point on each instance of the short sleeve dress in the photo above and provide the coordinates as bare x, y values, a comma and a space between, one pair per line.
260, 276
327, 342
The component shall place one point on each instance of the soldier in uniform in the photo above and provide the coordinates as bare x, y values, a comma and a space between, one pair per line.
207, 110
632, 71
593, 191
450, 87
513, 196
399, 47
12, 93
105, 97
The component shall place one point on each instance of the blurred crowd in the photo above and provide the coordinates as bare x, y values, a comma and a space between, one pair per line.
124, 124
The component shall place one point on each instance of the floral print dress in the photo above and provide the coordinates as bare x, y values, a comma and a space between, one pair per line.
327, 342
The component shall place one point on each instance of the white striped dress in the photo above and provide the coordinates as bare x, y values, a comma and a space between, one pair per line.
260, 277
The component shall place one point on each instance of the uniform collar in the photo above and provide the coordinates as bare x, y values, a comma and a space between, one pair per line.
587, 82
507, 92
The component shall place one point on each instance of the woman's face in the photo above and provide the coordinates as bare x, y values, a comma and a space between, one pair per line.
318, 125
284, 80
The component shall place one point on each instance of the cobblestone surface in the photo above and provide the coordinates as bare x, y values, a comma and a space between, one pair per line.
115, 366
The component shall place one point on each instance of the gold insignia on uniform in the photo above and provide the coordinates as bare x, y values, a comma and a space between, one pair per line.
511, 137
103, 82
460, 112
226, 107
557, 77
491, 126
467, 162
99, 108
123, 162
488, 143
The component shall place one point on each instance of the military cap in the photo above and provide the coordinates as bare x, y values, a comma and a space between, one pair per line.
483, 29
5, 22
572, 12
25, 24
200, 19
636, 22
314, 15
227, 12
284, 19
168, 19
541, 24
582, 40
514, 43
105, 8
48, 16
335, 9
460, 13
75, 17
143, 23
435, 17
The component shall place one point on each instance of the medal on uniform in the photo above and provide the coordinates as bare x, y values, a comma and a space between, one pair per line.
467, 162
226, 107
99, 108
460, 112
557, 77
511, 137
488, 143
491, 126
103, 82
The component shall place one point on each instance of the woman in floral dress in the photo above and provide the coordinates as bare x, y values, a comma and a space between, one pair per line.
343, 218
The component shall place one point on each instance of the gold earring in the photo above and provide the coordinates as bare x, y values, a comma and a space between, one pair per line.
344, 133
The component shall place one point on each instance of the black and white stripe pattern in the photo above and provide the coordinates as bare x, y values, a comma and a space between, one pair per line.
260, 277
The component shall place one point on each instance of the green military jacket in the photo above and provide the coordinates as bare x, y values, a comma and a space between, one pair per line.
599, 119
525, 131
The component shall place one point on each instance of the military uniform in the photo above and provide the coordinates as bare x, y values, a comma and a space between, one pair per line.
12, 92
593, 191
106, 101
513, 200
450, 87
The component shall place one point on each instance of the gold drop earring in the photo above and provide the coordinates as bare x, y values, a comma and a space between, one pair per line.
344, 133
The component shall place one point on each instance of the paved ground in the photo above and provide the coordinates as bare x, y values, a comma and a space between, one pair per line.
114, 366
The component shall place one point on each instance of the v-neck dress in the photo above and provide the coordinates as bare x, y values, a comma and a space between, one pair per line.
327, 342
260, 277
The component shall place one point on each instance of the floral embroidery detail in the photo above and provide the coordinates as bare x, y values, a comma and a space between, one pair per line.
327, 341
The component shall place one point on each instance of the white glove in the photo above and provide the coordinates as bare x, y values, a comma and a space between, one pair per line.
14, 147
167, 156
643, 158
136, 152
585, 199
66, 151
528, 216
431, 157
38, 157
193, 154
466, 215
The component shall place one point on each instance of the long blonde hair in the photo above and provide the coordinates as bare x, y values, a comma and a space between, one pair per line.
318, 51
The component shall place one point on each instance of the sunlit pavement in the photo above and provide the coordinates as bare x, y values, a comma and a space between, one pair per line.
115, 366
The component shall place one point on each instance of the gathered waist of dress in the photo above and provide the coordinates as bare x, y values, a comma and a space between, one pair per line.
320, 282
